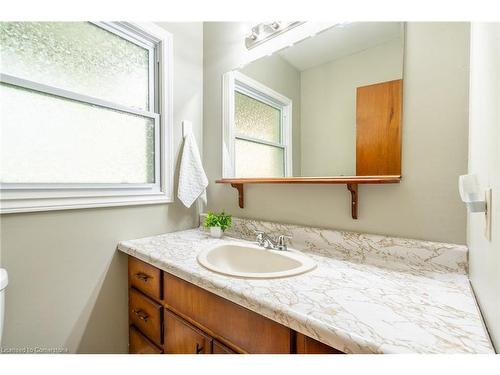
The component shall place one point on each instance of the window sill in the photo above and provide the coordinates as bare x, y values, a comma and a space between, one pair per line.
53, 204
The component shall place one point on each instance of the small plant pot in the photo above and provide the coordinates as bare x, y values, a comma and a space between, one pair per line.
216, 232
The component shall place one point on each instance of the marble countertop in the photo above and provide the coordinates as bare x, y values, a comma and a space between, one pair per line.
352, 306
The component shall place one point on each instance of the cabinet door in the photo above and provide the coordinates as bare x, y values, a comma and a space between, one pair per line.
245, 329
182, 338
218, 348
139, 344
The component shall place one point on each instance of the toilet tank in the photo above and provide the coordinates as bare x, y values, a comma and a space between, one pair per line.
3, 284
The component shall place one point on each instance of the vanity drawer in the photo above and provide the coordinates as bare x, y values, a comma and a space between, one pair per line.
139, 344
183, 338
145, 277
146, 315
225, 320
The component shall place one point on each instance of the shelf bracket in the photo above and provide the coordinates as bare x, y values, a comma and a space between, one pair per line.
353, 188
241, 197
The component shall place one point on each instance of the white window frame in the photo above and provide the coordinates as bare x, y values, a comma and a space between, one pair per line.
44, 197
235, 81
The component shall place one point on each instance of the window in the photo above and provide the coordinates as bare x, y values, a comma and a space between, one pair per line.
257, 129
86, 115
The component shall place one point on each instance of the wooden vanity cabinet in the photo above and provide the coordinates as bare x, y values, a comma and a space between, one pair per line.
172, 316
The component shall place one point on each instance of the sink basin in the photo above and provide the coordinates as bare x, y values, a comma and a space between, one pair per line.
252, 261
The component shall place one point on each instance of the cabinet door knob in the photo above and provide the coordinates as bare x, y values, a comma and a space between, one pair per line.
199, 348
142, 276
141, 315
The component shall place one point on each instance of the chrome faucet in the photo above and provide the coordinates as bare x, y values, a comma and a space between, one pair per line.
267, 242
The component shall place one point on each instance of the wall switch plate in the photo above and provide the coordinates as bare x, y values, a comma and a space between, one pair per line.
487, 214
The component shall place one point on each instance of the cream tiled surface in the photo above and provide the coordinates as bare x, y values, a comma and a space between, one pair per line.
368, 294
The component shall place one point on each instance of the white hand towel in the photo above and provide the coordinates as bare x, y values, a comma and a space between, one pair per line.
192, 178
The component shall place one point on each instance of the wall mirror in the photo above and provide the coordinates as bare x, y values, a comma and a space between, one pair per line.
328, 105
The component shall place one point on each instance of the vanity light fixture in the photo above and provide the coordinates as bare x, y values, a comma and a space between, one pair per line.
267, 30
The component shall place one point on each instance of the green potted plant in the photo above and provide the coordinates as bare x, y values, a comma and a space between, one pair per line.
217, 223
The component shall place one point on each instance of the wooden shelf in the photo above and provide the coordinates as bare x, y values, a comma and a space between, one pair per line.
351, 182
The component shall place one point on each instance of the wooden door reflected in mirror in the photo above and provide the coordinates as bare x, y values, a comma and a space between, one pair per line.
378, 129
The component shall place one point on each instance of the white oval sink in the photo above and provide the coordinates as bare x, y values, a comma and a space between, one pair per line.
252, 261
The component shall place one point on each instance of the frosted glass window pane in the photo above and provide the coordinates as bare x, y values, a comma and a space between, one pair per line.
258, 160
76, 56
256, 119
45, 139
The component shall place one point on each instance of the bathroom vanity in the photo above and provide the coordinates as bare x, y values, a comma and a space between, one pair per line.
367, 294
170, 315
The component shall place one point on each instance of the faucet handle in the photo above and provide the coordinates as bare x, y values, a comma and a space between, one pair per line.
282, 241
259, 238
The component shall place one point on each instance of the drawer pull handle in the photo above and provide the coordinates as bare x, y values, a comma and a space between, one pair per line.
141, 315
199, 348
142, 276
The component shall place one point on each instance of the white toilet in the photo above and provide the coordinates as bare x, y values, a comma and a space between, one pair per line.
3, 284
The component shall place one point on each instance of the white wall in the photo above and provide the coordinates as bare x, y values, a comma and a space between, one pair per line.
277, 74
68, 284
484, 160
328, 113
426, 204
